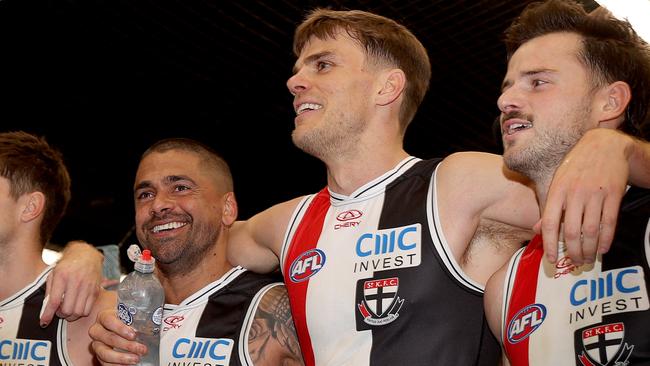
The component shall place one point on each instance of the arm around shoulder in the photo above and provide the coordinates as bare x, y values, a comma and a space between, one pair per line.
255, 244
74, 283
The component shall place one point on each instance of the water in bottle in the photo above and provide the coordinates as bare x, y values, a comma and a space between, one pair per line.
140, 301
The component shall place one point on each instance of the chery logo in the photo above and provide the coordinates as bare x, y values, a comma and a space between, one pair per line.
174, 321
349, 215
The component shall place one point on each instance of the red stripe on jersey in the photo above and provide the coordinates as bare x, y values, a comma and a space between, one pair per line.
305, 239
523, 293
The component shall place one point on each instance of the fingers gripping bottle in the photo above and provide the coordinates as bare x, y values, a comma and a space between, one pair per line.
140, 301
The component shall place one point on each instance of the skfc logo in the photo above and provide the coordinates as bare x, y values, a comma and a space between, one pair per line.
525, 322
306, 265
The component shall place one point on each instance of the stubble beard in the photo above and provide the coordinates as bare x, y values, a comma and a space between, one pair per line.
539, 160
182, 254
330, 139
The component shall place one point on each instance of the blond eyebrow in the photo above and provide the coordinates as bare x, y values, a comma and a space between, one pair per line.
312, 58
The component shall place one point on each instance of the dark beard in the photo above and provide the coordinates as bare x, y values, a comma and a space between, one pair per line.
184, 257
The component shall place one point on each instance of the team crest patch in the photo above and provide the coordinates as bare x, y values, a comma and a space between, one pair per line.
378, 302
604, 345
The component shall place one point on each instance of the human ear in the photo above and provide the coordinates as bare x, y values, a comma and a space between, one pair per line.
33, 207
615, 100
393, 84
229, 212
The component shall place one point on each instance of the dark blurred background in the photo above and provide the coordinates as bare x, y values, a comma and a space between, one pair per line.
103, 79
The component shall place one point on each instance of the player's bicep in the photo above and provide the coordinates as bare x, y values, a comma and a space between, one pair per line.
272, 338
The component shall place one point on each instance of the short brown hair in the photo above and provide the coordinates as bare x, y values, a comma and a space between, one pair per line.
32, 165
384, 41
611, 49
212, 158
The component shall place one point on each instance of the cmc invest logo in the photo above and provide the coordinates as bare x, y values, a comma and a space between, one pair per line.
349, 215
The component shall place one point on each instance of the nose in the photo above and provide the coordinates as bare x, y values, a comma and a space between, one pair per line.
161, 204
509, 100
297, 83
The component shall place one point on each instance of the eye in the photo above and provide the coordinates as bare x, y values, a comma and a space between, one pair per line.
538, 82
322, 65
181, 188
144, 195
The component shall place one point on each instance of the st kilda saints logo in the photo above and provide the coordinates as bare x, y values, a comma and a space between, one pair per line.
377, 301
603, 345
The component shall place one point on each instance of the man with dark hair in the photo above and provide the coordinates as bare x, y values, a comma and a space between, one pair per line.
34, 193
572, 74
215, 313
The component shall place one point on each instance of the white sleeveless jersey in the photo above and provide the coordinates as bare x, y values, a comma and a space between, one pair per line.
598, 314
211, 326
22, 340
372, 281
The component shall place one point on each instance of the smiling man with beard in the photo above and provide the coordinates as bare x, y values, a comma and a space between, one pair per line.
215, 313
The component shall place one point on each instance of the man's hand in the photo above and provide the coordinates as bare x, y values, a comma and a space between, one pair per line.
109, 333
73, 285
585, 196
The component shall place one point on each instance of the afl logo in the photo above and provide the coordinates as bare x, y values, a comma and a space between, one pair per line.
306, 265
525, 322
349, 215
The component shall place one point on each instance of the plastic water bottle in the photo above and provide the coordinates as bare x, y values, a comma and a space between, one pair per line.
140, 301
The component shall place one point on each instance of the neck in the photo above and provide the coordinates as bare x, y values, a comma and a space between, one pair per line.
542, 184
345, 174
179, 285
22, 263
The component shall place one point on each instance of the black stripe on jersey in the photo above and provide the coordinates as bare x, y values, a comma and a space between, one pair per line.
35, 284
397, 171
440, 322
29, 326
461, 277
236, 272
225, 313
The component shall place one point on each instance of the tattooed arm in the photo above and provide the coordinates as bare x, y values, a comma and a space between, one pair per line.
272, 339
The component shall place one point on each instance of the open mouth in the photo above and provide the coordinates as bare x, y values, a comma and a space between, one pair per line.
306, 107
516, 127
168, 226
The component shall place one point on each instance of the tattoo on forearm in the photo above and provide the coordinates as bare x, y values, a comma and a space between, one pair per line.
272, 339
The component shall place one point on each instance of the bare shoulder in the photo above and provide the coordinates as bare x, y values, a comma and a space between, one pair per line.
78, 340
272, 339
